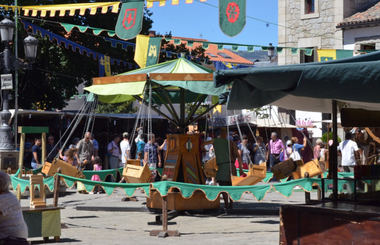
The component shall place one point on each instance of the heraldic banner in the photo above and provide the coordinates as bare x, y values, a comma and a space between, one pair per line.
232, 16
147, 50
104, 66
129, 22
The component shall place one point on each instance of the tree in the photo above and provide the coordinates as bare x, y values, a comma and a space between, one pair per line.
58, 71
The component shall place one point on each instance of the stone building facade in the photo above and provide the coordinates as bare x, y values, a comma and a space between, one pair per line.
313, 24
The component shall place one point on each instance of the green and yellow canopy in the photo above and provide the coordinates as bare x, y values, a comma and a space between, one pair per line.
173, 82
171, 76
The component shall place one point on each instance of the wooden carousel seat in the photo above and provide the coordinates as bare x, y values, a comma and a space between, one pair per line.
256, 173
137, 174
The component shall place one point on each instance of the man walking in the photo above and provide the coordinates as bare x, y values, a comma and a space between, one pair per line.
350, 153
85, 152
274, 149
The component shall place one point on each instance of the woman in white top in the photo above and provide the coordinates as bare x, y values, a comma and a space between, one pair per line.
125, 148
13, 229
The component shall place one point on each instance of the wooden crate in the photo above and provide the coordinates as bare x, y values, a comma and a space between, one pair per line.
176, 202
134, 162
255, 174
284, 169
137, 174
51, 169
258, 170
308, 170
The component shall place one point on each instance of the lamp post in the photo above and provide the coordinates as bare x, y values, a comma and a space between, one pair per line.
9, 64
270, 51
6, 31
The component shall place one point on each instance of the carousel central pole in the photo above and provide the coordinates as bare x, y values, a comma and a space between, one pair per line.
334, 150
182, 111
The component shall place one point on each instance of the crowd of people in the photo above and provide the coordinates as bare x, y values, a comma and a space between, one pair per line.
84, 153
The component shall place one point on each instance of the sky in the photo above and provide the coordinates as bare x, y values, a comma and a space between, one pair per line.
198, 20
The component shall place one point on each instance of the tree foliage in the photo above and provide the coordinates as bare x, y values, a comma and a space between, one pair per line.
58, 71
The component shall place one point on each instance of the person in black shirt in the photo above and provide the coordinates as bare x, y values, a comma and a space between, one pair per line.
36, 151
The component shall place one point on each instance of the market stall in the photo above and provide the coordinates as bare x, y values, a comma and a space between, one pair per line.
323, 87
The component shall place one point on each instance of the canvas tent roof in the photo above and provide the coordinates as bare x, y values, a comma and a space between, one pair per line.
311, 87
178, 73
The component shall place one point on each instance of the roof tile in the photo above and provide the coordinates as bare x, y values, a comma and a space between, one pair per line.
372, 14
214, 54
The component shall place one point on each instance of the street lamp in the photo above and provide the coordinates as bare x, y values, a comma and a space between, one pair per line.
270, 51
6, 30
30, 48
10, 64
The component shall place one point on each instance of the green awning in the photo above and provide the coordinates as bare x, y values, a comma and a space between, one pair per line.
354, 81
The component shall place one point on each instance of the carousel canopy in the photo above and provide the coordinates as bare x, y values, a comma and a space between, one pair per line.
354, 82
171, 75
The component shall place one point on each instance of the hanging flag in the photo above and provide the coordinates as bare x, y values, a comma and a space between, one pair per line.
147, 50
129, 22
96, 31
104, 66
61, 41
72, 8
232, 16
333, 54
218, 108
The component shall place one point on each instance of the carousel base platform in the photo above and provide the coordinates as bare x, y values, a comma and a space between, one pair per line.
197, 201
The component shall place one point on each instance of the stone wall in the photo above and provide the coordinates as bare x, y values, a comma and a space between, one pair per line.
316, 30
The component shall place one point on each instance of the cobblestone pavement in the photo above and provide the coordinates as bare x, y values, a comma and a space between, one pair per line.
102, 219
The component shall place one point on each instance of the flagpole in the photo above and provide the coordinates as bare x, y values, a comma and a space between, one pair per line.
16, 74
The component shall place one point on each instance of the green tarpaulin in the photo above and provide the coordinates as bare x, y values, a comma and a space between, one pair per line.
354, 82
123, 91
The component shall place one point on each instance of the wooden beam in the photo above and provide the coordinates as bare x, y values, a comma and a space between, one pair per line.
206, 77
204, 113
169, 102
155, 109
119, 79
200, 99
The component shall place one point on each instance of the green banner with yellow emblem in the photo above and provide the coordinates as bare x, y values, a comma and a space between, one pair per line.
147, 50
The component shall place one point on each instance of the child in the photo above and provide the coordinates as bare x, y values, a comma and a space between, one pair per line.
95, 177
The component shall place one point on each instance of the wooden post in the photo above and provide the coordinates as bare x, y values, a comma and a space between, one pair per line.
21, 162
43, 157
56, 187
319, 192
164, 232
307, 197
165, 214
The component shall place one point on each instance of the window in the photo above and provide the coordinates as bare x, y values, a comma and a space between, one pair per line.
368, 47
224, 55
309, 6
309, 9
212, 55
